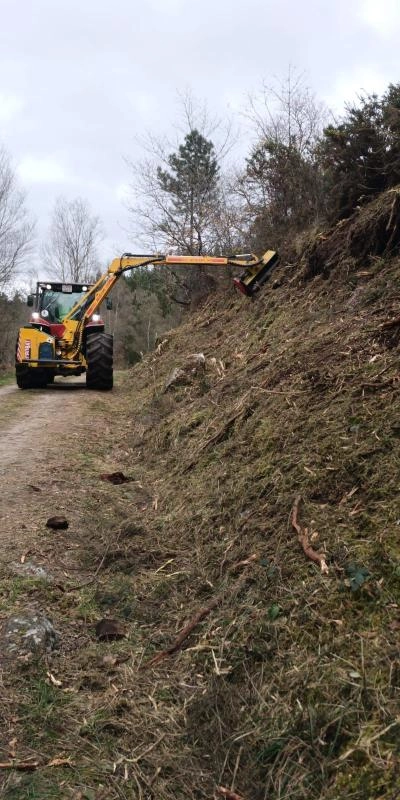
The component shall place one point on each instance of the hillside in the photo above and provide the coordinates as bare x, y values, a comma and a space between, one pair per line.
287, 685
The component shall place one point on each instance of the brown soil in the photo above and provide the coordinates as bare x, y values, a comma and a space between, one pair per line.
37, 430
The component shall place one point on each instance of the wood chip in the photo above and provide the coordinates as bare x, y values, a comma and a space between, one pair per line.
116, 478
57, 523
108, 630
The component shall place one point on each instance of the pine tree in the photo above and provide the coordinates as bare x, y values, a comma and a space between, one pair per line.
190, 187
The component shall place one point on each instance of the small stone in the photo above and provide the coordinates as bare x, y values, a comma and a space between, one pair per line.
196, 360
27, 632
30, 570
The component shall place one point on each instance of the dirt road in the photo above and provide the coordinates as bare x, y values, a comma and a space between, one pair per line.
38, 430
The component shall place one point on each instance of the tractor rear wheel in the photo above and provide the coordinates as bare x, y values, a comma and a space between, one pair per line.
99, 357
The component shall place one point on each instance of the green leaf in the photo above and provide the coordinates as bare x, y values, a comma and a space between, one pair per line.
357, 575
274, 612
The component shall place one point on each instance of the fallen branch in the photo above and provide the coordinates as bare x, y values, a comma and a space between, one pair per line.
302, 535
382, 384
185, 632
194, 622
364, 743
228, 794
391, 323
393, 209
31, 765
225, 429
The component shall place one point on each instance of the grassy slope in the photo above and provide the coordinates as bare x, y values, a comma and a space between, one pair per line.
289, 687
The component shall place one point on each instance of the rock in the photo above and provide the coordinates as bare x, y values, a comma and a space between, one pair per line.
57, 523
27, 632
196, 360
29, 570
181, 376
177, 377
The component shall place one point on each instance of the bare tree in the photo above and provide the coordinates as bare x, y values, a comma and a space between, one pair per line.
71, 253
287, 113
282, 187
16, 228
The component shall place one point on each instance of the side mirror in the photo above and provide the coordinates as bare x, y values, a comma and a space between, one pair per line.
30, 300
108, 304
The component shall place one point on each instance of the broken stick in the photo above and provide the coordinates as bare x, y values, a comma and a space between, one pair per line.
32, 765
195, 621
185, 632
302, 535
228, 794
390, 323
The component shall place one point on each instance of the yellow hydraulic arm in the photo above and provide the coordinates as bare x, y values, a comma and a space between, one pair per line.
256, 272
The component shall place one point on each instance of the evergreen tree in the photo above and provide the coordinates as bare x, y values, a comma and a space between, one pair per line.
190, 189
361, 155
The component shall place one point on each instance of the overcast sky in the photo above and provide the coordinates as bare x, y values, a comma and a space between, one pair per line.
80, 80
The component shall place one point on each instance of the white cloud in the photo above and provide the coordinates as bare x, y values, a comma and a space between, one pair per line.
41, 170
383, 16
10, 106
122, 192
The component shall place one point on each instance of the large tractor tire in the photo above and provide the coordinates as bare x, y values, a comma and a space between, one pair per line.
28, 378
99, 357
24, 379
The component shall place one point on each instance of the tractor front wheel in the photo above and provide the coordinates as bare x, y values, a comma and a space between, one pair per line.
99, 357
24, 379
29, 378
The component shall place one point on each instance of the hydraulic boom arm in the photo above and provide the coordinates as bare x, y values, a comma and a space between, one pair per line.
256, 272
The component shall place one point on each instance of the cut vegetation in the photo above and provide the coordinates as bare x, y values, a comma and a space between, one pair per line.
257, 653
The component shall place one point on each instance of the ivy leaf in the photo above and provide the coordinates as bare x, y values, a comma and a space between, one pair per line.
357, 575
274, 611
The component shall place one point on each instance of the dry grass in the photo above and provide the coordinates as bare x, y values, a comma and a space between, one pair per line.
289, 687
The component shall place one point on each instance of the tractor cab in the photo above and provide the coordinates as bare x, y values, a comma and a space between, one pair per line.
53, 301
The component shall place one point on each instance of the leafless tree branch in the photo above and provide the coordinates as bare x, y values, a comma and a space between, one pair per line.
70, 253
16, 227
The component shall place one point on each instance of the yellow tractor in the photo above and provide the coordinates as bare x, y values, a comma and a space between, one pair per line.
66, 333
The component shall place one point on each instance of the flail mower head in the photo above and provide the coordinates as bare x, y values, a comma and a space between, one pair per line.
252, 279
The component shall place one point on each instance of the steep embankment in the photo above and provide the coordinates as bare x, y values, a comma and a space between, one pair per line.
287, 685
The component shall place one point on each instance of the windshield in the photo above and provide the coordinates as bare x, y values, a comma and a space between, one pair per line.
57, 304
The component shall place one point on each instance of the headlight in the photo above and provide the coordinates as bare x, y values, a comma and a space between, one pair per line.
35, 315
96, 318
